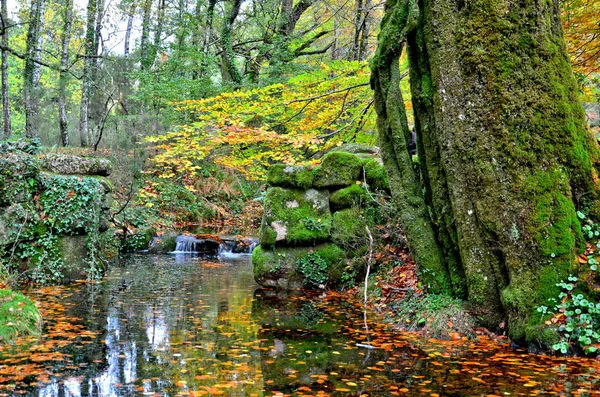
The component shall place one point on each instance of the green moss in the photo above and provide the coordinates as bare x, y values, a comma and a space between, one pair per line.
292, 176
19, 174
348, 197
348, 230
295, 217
18, 316
338, 169
376, 175
334, 256
279, 267
554, 223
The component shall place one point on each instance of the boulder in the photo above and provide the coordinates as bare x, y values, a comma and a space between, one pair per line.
357, 148
300, 267
292, 176
75, 165
338, 169
348, 197
295, 217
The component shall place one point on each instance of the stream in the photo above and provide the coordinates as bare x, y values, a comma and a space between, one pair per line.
168, 325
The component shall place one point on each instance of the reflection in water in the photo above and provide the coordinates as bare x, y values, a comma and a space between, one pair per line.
177, 325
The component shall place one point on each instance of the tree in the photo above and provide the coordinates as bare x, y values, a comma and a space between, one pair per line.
86, 78
62, 79
505, 156
6, 125
230, 70
31, 71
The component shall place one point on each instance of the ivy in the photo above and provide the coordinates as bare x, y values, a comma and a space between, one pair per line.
314, 269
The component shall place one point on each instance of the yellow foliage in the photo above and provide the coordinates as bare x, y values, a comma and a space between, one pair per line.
247, 130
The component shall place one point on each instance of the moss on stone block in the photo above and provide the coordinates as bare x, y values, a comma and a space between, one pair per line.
19, 316
291, 268
66, 164
291, 176
19, 173
277, 268
348, 228
74, 254
375, 175
357, 148
162, 243
295, 217
338, 169
348, 197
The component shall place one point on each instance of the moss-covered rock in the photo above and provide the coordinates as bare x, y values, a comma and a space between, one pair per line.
301, 267
348, 229
140, 241
353, 195
163, 243
357, 148
291, 176
375, 175
338, 169
75, 165
18, 316
295, 217
18, 177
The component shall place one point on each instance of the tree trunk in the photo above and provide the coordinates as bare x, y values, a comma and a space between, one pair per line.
503, 145
144, 40
363, 46
230, 69
358, 26
160, 19
86, 78
130, 15
29, 74
6, 125
62, 81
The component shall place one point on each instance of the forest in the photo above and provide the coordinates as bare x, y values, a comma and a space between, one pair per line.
433, 163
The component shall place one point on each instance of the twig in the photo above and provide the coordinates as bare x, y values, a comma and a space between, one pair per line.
368, 265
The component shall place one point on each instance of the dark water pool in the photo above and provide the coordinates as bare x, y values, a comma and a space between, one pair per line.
179, 325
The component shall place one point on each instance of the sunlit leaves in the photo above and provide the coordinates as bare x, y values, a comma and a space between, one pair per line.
249, 129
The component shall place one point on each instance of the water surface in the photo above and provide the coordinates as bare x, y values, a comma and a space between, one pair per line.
181, 325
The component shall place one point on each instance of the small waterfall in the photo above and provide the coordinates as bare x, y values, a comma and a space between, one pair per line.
232, 246
215, 245
187, 244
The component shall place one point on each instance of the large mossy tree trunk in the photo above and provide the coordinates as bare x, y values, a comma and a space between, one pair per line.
504, 151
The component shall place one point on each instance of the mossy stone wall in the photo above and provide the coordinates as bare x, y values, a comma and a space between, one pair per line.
50, 224
311, 218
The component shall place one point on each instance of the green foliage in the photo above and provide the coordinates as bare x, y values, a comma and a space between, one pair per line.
579, 318
45, 207
314, 269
